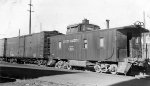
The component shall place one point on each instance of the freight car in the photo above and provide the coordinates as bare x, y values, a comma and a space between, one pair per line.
108, 50
32, 48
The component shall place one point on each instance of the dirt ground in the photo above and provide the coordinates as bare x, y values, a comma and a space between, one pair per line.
82, 79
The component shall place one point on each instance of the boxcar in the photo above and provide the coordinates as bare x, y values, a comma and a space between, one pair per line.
29, 48
103, 49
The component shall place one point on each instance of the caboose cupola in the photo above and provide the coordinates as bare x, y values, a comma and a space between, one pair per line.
82, 27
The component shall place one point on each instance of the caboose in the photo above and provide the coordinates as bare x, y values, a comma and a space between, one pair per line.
106, 50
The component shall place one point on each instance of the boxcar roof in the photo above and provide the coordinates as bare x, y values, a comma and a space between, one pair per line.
34, 33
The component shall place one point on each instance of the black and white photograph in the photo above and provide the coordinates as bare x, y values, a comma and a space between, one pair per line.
74, 42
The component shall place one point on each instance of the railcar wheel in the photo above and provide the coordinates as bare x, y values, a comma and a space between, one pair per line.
44, 62
97, 68
65, 64
113, 69
56, 65
68, 66
11, 60
39, 62
104, 68
59, 64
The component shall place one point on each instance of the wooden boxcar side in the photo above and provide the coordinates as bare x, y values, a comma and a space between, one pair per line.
15, 47
37, 45
12, 47
34, 45
30, 46
27, 46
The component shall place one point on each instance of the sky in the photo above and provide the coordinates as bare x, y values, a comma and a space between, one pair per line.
51, 15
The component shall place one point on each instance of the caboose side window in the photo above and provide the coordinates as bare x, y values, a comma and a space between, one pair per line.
59, 44
101, 41
85, 43
137, 40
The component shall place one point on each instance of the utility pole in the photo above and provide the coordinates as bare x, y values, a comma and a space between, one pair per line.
40, 27
19, 44
30, 11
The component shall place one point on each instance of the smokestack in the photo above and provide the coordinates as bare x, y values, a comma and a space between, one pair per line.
107, 23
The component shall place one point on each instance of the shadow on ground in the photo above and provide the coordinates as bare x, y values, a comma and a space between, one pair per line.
4, 80
26, 73
135, 82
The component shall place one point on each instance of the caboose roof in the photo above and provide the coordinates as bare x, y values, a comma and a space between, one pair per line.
134, 27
